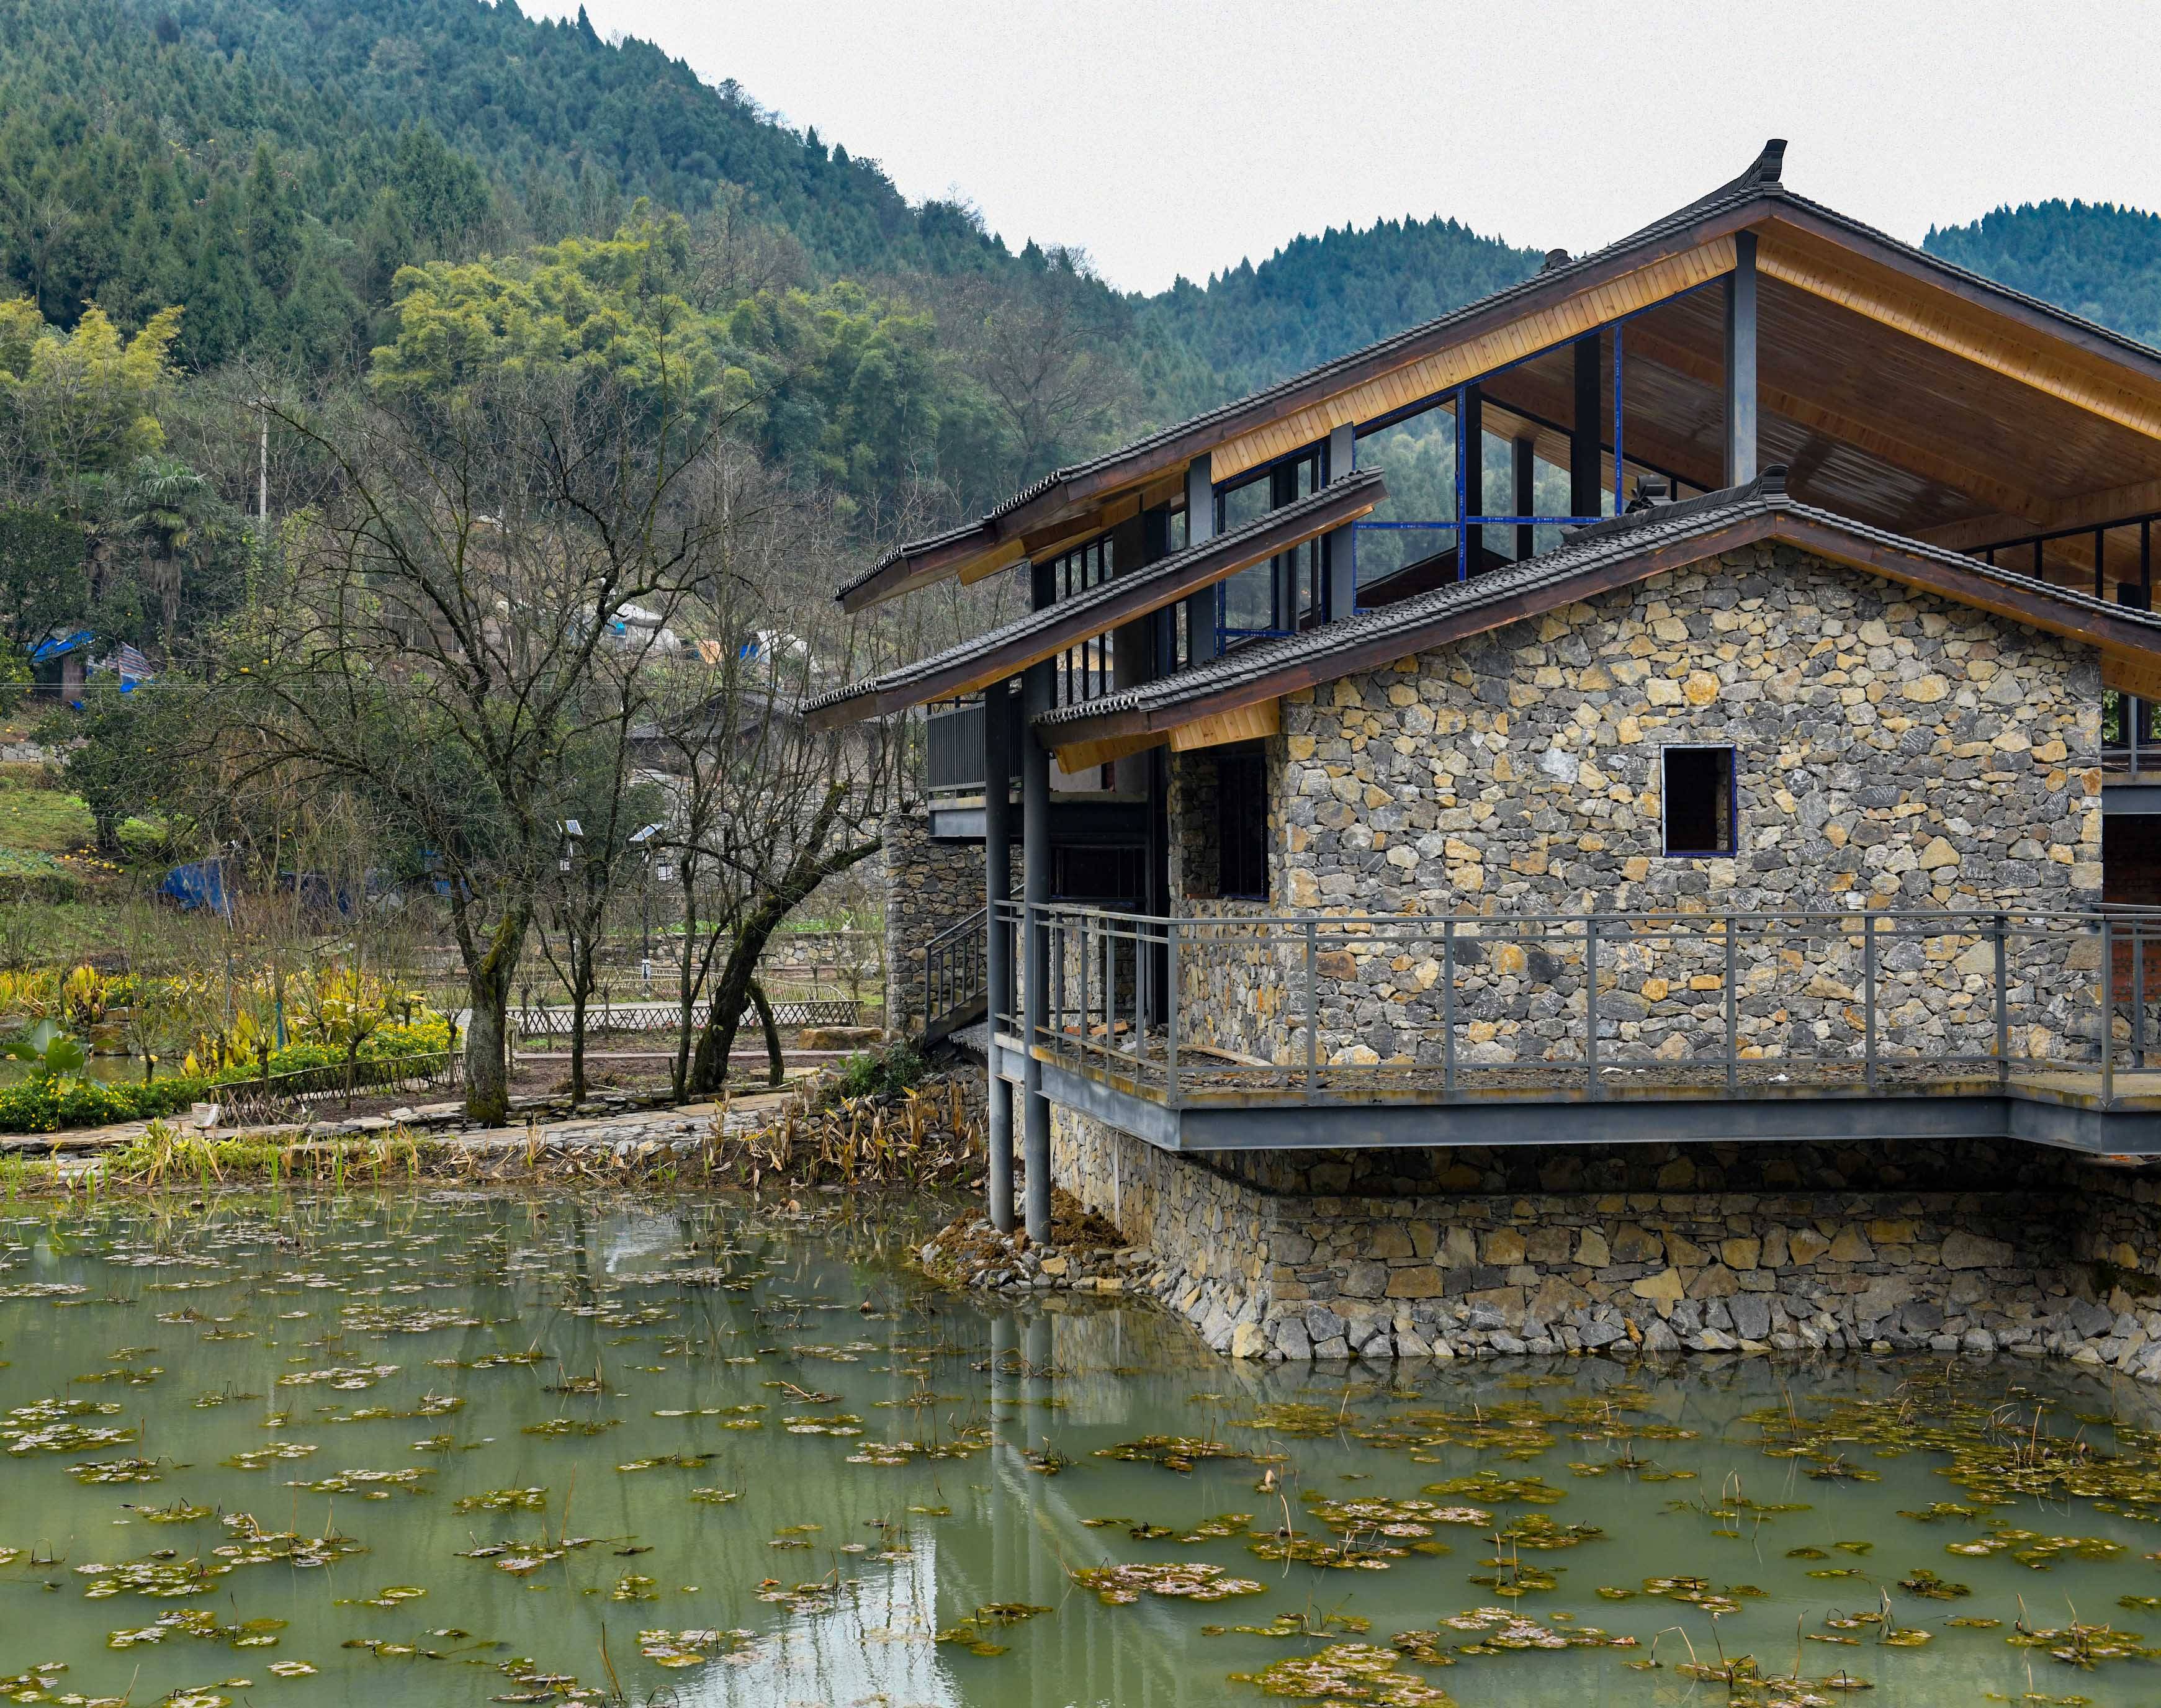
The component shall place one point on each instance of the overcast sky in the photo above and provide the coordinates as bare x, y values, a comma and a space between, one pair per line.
1182, 136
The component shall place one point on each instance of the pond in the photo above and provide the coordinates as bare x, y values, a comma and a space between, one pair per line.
448, 1449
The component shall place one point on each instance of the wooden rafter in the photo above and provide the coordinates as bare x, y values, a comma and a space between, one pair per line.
1943, 320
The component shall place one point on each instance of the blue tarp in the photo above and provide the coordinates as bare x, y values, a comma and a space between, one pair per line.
59, 646
200, 883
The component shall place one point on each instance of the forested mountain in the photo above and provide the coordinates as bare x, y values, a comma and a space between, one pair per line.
2096, 258
1313, 299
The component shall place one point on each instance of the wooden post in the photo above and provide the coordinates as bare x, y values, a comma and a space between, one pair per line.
998, 983
1740, 362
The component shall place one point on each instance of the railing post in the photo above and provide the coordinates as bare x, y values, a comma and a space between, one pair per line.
1312, 1009
1591, 993
1732, 1011
2138, 995
1448, 1010
1172, 1004
2107, 1014
1868, 994
2002, 931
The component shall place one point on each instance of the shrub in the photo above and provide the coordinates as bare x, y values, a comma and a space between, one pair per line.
885, 1073
47, 1106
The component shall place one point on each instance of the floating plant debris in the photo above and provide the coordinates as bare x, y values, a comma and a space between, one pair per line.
1116, 1585
1347, 1672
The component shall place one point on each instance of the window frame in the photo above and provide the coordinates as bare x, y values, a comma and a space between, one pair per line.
1731, 851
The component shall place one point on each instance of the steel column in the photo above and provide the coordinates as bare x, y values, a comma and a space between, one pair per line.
1200, 524
1470, 479
1527, 496
1584, 496
1039, 687
1740, 408
999, 969
1341, 546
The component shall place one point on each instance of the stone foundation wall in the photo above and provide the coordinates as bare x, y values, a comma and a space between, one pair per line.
1947, 1248
928, 886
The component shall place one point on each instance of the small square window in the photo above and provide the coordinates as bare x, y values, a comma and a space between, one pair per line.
1242, 825
1698, 796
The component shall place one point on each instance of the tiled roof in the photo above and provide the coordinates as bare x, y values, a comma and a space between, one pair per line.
1759, 183
1586, 549
1113, 601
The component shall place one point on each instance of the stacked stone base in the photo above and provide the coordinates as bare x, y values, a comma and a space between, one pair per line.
2029, 1254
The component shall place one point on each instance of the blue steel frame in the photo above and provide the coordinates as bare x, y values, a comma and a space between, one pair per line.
1462, 520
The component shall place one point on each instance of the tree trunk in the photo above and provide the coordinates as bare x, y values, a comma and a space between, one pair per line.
487, 1075
578, 1040
776, 1070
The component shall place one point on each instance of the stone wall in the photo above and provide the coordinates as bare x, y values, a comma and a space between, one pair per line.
1787, 1249
930, 885
1892, 751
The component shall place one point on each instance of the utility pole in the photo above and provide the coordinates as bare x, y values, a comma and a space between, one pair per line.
263, 478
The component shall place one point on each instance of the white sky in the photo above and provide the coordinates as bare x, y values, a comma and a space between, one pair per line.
1180, 136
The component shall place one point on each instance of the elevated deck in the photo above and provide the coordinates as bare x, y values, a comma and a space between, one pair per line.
1301, 1033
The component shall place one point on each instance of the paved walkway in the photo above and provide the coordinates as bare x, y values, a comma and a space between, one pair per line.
684, 1128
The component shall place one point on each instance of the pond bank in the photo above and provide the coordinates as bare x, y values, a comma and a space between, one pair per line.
1791, 1249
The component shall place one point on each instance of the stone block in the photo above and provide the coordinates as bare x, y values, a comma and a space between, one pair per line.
1966, 1251
1416, 1281
1504, 1246
1740, 1253
1852, 1246
1805, 1245
1663, 1290
1633, 1244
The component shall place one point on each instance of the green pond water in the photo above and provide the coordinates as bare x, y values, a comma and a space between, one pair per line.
449, 1448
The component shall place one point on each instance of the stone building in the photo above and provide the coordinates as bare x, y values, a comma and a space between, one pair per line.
1620, 815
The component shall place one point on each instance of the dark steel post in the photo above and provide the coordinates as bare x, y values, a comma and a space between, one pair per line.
998, 945
1732, 1011
2002, 1002
1469, 480
1312, 1011
1585, 497
1868, 993
1341, 545
1527, 494
1448, 1011
1171, 1003
1590, 1000
1740, 362
2107, 1014
1201, 636
1036, 687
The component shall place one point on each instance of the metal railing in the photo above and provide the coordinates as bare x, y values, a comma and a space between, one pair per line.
1571, 1007
953, 746
555, 1019
277, 1097
956, 976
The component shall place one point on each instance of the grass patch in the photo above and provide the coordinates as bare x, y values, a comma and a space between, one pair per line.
38, 820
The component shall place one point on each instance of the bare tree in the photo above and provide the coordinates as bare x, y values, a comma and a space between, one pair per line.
766, 809
430, 638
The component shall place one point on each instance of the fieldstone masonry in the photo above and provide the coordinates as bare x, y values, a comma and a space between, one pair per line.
1275, 1257
1891, 751
930, 885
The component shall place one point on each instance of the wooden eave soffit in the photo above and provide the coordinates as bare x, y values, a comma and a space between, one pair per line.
1244, 723
1943, 320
